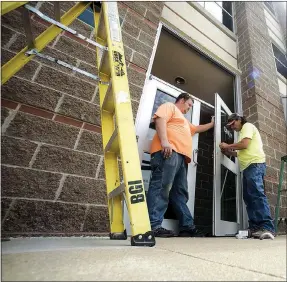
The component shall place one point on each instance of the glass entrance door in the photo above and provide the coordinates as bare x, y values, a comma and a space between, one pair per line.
226, 194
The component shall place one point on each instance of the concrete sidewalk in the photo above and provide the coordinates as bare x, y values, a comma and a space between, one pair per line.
94, 259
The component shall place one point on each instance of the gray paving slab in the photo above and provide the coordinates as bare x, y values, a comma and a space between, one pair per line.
185, 259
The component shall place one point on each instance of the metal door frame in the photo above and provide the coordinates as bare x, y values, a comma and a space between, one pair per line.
221, 227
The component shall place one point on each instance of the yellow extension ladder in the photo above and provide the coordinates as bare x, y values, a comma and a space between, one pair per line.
118, 132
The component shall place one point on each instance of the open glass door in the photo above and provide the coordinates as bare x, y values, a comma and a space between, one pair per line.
226, 193
155, 93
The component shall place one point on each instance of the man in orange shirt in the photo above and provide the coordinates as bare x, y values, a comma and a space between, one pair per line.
171, 151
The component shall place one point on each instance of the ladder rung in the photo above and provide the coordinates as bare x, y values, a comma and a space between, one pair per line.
27, 28
104, 65
108, 103
42, 40
117, 191
113, 144
57, 12
9, 6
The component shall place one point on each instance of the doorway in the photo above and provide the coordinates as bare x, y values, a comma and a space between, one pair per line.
215, 200
213, 192
155, 94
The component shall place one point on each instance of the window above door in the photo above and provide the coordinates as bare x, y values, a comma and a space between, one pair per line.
221, 10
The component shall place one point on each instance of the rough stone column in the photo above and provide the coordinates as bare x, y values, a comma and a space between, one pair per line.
260, 92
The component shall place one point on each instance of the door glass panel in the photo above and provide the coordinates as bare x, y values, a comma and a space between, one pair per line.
226, 209
160, 98
227, 136
228, 195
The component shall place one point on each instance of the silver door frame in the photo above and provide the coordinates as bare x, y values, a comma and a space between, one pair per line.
221, 227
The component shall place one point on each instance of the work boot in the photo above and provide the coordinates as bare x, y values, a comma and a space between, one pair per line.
263, 234
266, 234
192, 233
162, 232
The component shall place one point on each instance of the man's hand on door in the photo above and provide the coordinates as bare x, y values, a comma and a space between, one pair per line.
228, 152
223, 146
212, 119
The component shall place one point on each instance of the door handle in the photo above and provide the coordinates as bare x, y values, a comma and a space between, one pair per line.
193, 156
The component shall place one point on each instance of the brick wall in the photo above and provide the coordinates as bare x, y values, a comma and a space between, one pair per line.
260, 93
52, 165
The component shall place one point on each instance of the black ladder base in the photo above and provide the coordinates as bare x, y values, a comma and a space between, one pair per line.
143, 240
119, 235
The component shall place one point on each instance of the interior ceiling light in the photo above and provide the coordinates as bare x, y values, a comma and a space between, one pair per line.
179, 80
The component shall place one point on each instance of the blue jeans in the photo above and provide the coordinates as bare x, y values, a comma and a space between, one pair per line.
168, 183
255, 199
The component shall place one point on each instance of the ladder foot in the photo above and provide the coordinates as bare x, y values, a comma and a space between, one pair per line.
143, 240
119, 235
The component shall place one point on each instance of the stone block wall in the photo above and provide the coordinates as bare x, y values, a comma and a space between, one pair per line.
260, 92
52, 172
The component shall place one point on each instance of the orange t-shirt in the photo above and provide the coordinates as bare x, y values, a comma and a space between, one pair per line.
179, 130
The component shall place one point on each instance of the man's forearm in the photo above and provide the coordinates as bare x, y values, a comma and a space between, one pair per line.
237, 146
204, 127
160, 125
